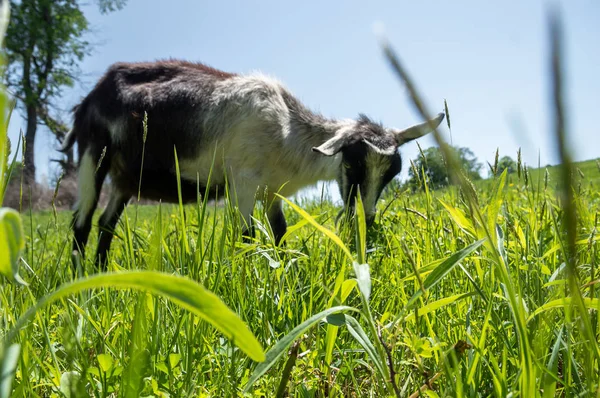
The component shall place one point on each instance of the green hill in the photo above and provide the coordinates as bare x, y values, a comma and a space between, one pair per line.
587, 171
587, 175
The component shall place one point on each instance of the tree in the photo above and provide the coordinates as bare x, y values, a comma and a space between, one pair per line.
45, 43
506, 163
436, 171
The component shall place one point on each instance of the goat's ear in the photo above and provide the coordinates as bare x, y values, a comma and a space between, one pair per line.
418, 130
335, 143
385, 144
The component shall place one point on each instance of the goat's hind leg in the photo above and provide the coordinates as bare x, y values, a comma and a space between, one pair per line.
106, 226
245, 207
90, 177
277, 220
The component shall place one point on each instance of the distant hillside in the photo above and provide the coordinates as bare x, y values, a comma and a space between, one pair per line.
586, 172
587, 176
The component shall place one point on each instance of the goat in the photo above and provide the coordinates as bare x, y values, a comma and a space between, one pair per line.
249, 129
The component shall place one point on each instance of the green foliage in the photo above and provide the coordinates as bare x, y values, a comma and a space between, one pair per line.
181, 291
279, 349
12, 239
14, 172
9, 357
281, 293
107, 6
507, 163
432, 166
12, 242
45, 43
485, 222
4, 112
586, 173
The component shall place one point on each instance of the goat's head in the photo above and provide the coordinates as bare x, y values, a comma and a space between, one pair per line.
370, 159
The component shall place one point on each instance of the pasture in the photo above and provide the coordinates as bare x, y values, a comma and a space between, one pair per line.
452, 311
485, 289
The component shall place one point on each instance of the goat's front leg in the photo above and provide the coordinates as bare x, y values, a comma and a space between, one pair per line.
277, 220
245, 205
106, 226
90, 177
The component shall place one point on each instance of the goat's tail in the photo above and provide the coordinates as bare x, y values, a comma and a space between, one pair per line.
71, 137
68, 141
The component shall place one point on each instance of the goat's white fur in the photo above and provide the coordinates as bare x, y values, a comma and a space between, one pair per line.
86, 188
256, 144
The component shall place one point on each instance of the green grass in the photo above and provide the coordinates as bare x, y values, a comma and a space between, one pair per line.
586, 172
483, 290
275, 289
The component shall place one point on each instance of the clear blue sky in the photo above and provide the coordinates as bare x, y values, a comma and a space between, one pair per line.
487, 58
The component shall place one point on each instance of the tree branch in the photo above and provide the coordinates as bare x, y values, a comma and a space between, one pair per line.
49, 60
55, 125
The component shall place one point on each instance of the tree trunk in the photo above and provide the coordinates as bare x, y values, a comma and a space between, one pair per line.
28, 161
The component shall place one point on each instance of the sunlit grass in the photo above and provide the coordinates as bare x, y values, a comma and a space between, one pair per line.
486, 289
276, 289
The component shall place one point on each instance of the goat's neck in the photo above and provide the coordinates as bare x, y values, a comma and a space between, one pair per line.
311, 130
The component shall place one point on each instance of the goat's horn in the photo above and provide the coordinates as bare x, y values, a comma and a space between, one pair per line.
418, 130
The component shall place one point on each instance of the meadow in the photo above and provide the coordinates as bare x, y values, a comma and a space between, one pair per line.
439, 304
486, 289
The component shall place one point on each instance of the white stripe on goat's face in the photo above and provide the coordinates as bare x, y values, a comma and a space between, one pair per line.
86, 184
368, 170
369, 162
377, 166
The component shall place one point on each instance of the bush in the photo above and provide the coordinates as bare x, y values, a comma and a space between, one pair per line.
432, 164
40, 196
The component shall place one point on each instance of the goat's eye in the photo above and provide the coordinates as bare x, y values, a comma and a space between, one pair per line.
346, 165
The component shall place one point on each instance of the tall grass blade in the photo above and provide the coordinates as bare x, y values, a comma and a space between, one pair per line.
567, 187
361, 337
436, 305
282, 345
139, 355
528, 375
9, 357
493, 208
589, 304
9, 168
444, 268
331, 235
12, 242
361, 230
182, 291
342, 290
447, 112
287, 370
549, 380
363, 278
459, 218
183, 238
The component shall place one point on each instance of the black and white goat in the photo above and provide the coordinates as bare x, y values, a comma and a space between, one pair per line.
254, 134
